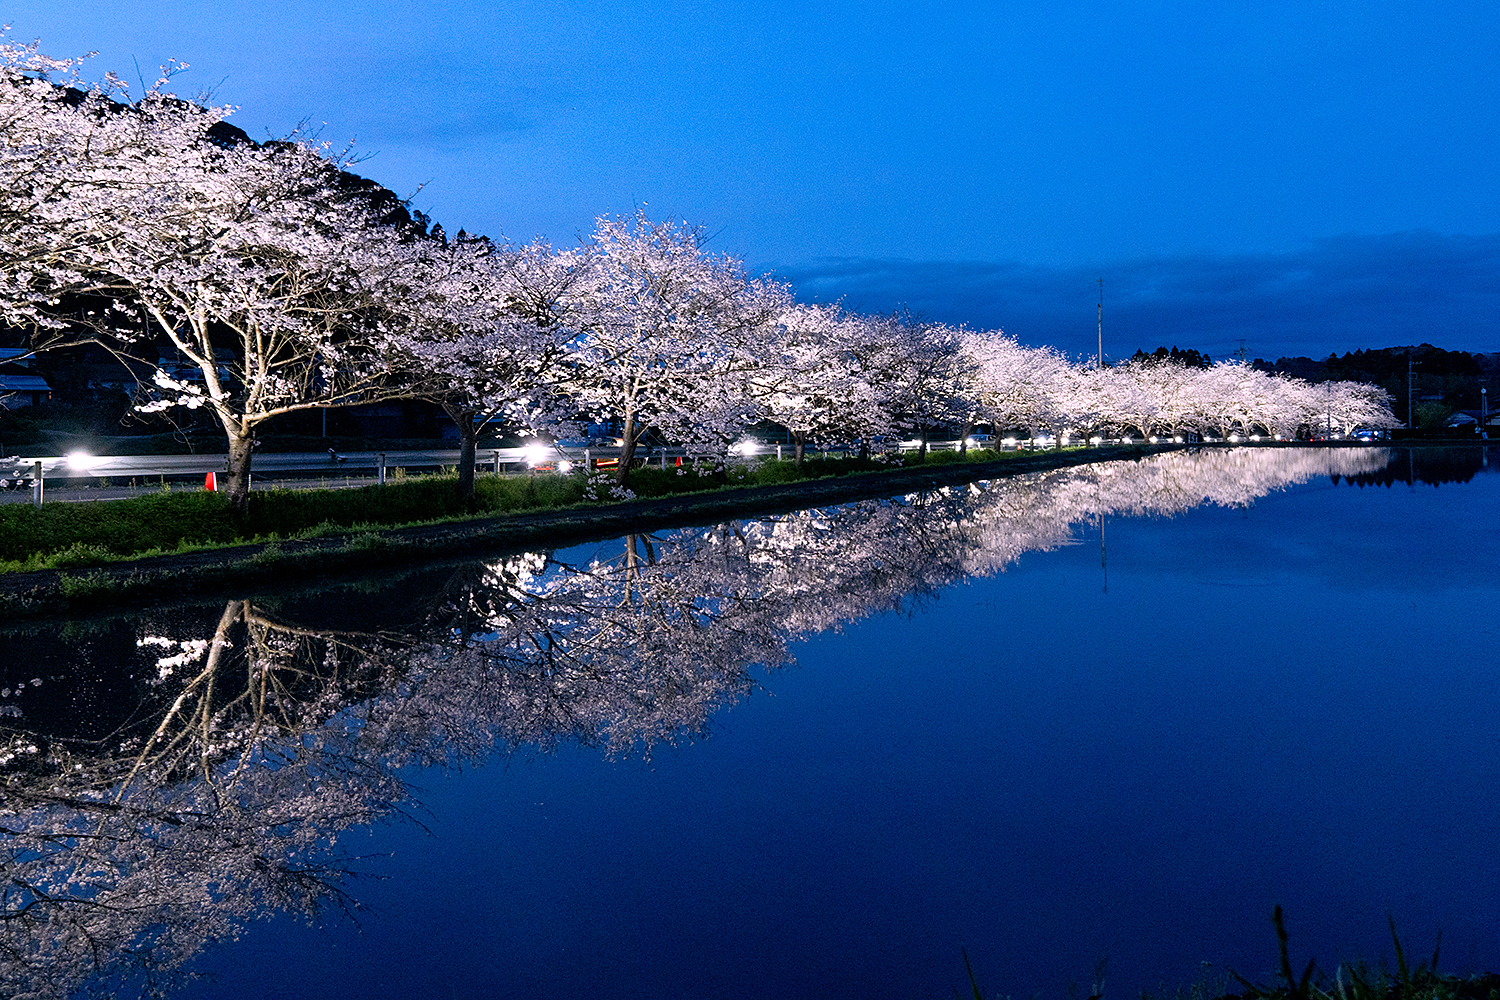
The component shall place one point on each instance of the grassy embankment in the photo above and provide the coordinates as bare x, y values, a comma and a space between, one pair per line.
77, 535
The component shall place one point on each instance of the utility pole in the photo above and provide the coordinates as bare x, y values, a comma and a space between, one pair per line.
1103, 553
1241, 351
1409, 424
1101, 322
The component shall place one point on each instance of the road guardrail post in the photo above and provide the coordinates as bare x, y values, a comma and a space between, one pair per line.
380, 469
36, 484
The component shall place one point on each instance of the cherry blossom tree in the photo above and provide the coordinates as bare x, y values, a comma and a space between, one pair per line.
1013, 386
47, 117
812, 383
264, 266
483, 336
273, 291
922, 376
667, 335
1358, 404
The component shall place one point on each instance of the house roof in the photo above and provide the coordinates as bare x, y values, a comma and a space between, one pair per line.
23, 383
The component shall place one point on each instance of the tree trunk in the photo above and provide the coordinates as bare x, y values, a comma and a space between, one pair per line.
963, 438
801, 443
468, 438
922, 446
237, 476
628, 434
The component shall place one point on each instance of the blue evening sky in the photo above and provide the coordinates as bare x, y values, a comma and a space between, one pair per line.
1307, 176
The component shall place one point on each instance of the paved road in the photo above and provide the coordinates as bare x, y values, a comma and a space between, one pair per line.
113, 477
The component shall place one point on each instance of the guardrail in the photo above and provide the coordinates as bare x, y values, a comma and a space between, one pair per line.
535, 456
32, 472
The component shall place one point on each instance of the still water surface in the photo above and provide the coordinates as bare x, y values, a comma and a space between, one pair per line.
1117, 712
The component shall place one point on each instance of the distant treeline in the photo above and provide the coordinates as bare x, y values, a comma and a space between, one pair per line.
1442, 382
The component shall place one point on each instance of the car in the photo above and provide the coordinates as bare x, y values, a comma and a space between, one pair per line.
596, 441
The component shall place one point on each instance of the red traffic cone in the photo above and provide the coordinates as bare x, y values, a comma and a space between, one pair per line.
211, 482
679, 461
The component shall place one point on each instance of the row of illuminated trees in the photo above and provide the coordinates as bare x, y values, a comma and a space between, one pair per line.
288, 284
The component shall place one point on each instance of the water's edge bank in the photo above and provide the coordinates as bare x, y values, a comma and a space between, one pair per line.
154, 578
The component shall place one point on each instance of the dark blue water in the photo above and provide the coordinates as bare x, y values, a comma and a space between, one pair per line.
1126, 748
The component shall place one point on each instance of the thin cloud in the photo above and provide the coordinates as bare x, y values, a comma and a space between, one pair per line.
1333, 295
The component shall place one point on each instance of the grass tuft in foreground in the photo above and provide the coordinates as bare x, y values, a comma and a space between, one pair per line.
1360, 982
1349, 981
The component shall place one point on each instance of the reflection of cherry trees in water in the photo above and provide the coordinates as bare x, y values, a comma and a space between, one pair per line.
256, 740
123, 857
1431, 465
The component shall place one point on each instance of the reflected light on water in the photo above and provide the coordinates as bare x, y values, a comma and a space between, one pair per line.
978, 748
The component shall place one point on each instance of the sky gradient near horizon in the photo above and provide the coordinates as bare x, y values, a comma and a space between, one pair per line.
1305, 178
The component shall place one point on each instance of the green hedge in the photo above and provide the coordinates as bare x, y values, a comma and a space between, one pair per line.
118, 527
